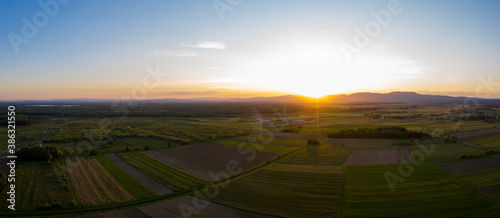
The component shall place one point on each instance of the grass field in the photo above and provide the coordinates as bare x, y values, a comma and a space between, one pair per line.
448, 152
93, 185
288, 191
428, 192
37, 184
268, 144
161, 173
126, 181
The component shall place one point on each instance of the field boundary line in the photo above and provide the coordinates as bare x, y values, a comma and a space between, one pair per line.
151, 184
476, 190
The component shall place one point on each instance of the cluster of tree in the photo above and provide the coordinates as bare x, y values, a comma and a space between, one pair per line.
52, 205
393, 112
313, 142
21, 120
378, 116
379, 132
42, 154
477, 117
296, 129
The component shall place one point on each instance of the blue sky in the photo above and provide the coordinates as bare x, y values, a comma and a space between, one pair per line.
100, 49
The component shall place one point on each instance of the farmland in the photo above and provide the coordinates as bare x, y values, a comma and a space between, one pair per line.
187, 203
491, 142
165, 175
264, 143
427, 192
318, 154
284, 191
148, 166
199, 160
139, 184
92, 190
401, 154
41, 185
470, 166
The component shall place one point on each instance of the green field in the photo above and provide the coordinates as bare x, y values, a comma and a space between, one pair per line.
131, 185
448, 152
302, 181
287, 191
37, 184
481, 179
428, 192
492, 142
163, 174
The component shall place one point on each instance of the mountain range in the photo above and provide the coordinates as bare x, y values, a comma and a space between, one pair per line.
363, 97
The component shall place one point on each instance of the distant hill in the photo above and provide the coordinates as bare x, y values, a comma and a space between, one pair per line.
362, 97
403, 97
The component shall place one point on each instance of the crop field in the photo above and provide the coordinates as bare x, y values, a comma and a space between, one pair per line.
328, 125
199, 160
91, 189
167, 176
130, 179
491, 142
482, 178
151, 164
447, 152
400, 154
486, 181
39, 185
471, 166
492, 191
125, 213
172, 208
287, 191
477, 134
460, 125
427, 192
317, 154
264, 143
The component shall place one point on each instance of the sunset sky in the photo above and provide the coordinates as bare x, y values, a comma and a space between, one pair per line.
205, 48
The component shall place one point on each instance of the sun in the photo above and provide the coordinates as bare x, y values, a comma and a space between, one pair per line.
314, 66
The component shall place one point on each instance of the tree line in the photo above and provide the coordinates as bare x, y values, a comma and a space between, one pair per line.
379, 132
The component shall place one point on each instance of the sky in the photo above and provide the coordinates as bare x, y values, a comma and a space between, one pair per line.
61, 49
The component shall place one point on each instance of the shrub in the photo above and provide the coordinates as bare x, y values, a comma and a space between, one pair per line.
462, 156
46, 206
488, 152
56, 204
313, 142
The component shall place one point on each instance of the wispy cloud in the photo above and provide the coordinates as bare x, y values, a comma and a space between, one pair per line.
176, 53
214, 68
205, 44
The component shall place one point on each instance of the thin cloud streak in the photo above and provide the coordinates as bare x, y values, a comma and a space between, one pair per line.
205, 44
